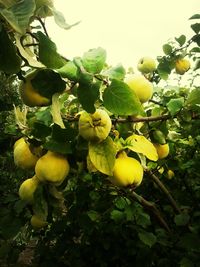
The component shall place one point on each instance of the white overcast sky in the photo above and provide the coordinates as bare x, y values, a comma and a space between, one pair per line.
127, 29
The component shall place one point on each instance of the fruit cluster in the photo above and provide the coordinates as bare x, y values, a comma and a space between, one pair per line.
50, 168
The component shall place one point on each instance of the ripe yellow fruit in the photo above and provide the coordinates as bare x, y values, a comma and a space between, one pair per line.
52, 167
96, 126
23, 156
37, 222
127, 171
146, 65
162, 150
29, 95
141, 86
182, 66
170, 174
27, 189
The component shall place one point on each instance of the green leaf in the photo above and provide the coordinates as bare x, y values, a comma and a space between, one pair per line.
181, 40
70, 71
102, 155
164, 68
121, 100
193, 100
48, 52
195, 50
93, 215
94, 60
147, 238
48, 82
117, 215
157, 137
88, 94
167, 49
196, 16
118, 72
121, 202
10, 62
175, 105
140, 144
63, 135
181, 219
40, 130
31, 61
196, 27
60, 20
19, 14
59, 147
196, 39
40, 206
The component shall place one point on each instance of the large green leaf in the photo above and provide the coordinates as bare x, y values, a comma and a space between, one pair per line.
94, 60
10, 62
102, 155
193, 101
48, 52
121, 100
19, 14
147, 238
175, 105
88, 94
118, 72
70, 71
47, 82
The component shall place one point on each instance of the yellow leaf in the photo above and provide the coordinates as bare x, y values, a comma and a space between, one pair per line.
102, 155
141, 144
55, 111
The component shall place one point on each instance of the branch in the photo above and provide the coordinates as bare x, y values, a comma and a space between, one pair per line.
165, 190
43, 26
151, 207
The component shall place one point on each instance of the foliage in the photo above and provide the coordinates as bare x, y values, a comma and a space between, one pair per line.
91, 221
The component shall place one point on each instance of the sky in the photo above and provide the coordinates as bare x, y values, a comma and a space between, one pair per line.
127, 30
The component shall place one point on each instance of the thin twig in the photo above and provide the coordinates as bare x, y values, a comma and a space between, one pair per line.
164, 190
151, 207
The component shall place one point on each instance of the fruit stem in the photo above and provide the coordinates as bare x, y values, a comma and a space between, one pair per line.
164, 190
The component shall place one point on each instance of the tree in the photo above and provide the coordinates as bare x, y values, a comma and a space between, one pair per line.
91, 120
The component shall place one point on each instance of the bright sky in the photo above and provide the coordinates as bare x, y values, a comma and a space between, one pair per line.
127, 29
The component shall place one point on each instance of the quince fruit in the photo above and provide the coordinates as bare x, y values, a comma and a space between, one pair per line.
52, 167
27, 189
29, 94
146, 65
141, 86
170, 174
25, 156
127, 171
96, 126
37, 222
162, 150
182, 66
